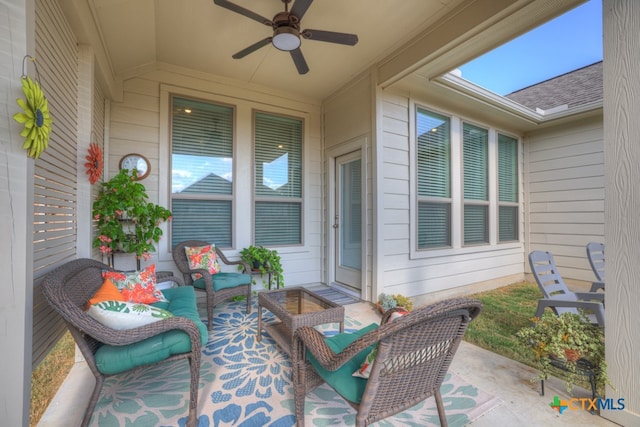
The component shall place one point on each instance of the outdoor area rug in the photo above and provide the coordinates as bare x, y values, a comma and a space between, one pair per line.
247, 383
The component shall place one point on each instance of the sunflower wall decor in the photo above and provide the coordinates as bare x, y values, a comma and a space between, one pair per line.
94, 163
36, 118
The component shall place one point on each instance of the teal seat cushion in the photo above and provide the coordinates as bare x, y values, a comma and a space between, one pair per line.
348, 386
225, 280
112, 359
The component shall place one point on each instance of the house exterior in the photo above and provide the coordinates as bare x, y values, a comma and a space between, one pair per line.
365, 203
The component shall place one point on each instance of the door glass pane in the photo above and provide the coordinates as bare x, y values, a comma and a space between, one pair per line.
350, 215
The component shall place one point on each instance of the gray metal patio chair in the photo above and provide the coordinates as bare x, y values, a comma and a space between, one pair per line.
595, 254
218, 287
414, 354
557, 295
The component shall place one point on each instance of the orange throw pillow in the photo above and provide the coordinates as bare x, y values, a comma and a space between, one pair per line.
107, 292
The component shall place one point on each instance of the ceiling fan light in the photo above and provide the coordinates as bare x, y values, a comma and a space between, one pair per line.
286, 38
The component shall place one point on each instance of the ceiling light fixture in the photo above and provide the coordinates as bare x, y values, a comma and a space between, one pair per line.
286, 38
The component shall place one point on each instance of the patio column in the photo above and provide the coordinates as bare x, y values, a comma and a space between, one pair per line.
622, 204
16, 218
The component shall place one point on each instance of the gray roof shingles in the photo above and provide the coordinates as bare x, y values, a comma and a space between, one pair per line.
574, 88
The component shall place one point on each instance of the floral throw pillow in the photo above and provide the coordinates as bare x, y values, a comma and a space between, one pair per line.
126, 315
136, 286
202, 257
367, 363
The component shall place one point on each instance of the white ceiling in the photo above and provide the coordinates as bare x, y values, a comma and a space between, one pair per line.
199, 35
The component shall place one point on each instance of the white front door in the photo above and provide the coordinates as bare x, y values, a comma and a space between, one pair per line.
348, 220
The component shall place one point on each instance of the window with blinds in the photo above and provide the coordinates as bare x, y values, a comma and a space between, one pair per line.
434, 179
507, 188
201, 172
475, 148
453, 213
278, 180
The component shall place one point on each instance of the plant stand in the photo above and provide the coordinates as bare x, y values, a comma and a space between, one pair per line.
584, 367
112, 259
268, 273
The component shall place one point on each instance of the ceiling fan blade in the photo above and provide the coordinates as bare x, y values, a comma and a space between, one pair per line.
300, 8
246, 51
330, 36
299, 60
242, 11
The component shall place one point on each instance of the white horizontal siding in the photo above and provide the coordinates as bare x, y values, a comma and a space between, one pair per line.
400, 273
565, 190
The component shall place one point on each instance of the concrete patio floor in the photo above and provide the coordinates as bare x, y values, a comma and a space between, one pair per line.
521, 402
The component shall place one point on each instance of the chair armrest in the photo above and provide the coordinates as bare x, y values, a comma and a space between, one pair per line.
168, 276
588, 296
314, 341
596, 286
595, 307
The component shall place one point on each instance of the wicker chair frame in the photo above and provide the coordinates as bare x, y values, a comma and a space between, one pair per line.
213, 297
70, 286
414, 355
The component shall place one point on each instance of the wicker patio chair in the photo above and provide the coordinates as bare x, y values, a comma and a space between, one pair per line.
414, 354
218, 287
595, 254
70, 286
557, 295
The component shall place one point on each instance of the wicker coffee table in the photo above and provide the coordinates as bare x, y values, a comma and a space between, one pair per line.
296, 307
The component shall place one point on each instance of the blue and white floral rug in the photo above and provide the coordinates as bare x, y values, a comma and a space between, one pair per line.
247, 383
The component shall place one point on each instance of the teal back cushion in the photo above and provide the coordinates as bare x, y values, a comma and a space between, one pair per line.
111, 359
342, 381
225, 280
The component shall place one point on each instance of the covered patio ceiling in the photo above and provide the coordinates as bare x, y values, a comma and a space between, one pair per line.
137, 36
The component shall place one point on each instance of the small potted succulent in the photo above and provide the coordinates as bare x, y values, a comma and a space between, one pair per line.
388, 301
266, 262
570, 341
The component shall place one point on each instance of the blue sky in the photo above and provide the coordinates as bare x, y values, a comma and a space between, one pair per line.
566, 43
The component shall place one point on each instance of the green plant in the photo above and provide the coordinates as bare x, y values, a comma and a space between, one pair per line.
568, 338
266, 261
388, 301
126, 220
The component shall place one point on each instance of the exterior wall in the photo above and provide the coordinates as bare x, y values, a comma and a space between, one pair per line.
140, 123
347, 127
564, 184
622, 202
428, 276
16, 201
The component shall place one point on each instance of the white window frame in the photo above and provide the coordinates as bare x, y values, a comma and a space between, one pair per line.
457, 180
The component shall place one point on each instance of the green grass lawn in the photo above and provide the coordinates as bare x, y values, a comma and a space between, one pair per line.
505, 311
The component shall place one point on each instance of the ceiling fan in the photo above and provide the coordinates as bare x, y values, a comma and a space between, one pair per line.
286, 31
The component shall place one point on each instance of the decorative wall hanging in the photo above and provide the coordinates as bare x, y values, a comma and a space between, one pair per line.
36, 119
94, 163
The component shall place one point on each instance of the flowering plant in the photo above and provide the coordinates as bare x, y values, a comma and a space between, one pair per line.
571, 339
126, 221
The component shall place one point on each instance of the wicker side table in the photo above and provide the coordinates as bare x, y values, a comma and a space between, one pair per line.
295, 307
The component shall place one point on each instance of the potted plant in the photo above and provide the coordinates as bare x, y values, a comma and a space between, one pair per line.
387, 301
570, 339
126, 221
265, 261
